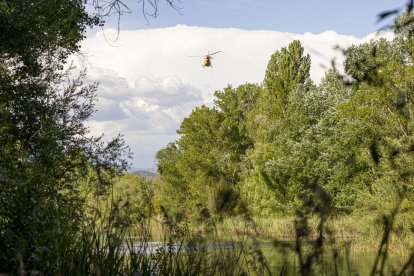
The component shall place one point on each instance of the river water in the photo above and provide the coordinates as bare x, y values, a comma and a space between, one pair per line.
282, 257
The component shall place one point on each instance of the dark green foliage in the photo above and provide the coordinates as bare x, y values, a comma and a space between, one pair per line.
403, 25
45, 148
31, 30
365, 62
46, 152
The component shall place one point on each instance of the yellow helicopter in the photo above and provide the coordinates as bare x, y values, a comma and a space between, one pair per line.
207, 59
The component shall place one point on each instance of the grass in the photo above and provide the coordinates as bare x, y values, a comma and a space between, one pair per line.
107, 245
97, 251
361, 231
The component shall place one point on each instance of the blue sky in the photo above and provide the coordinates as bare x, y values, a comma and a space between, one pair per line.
350, 17
149, 84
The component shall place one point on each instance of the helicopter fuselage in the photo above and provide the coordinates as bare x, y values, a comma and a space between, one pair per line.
207, 59
207, 62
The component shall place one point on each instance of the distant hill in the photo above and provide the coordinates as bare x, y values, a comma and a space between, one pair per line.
146, 174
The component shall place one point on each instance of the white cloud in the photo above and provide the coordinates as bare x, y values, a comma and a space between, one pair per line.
148, 82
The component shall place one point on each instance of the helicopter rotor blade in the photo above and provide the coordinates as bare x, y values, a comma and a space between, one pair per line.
215, 53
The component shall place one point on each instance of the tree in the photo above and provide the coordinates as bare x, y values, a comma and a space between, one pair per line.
270, 122
291, 160
235, 106
189, 168
403, 25
378, 121
205, 163
45, 148
364, 62
286, 69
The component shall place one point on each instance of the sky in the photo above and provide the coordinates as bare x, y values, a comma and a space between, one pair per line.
149, 84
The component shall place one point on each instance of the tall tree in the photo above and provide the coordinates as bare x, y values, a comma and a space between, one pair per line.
235, 106
287, 161
286, 69
206, 160
45, 149
191, 164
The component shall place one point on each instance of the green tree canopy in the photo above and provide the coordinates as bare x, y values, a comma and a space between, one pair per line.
286, 69
45, 148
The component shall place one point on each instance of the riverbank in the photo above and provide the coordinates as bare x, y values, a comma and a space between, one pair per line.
352, 245
362, 233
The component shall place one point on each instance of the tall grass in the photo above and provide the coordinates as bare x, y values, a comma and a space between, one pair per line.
106, 250
232, 244
361, 231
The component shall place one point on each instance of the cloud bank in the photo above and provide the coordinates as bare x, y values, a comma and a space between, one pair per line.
148, 82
